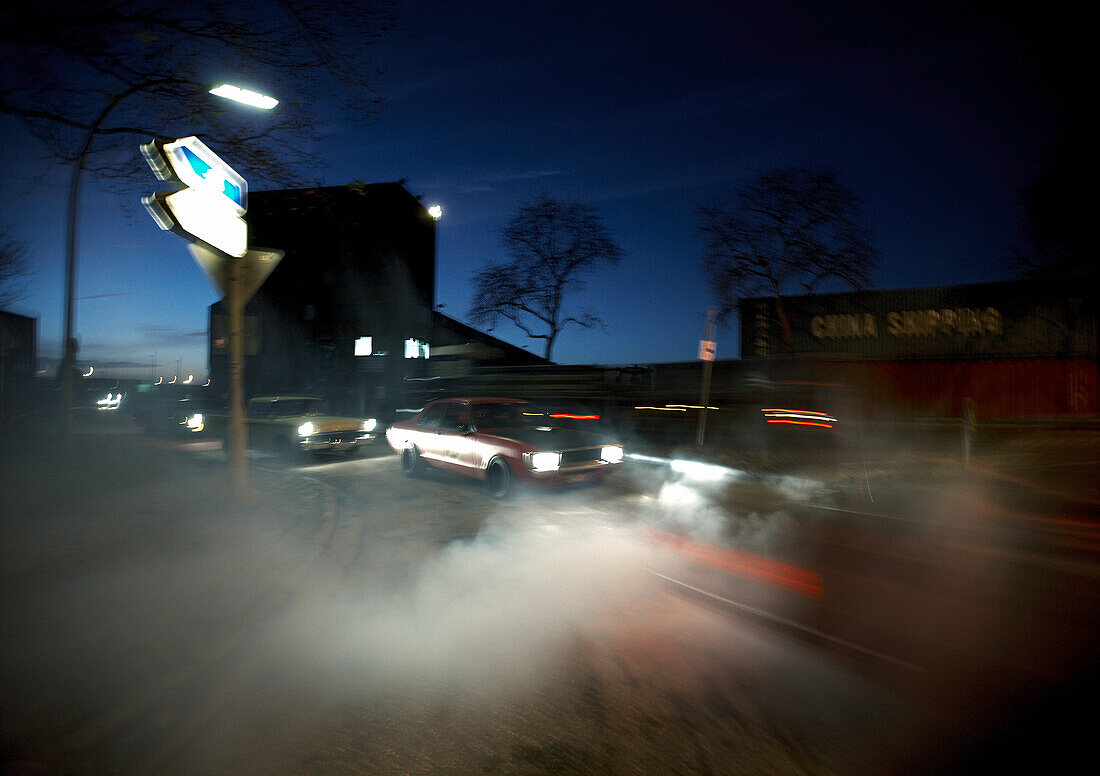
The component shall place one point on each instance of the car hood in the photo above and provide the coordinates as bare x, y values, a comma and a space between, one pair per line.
324, 423
550, 437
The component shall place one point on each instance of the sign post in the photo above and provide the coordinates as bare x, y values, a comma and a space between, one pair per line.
706, 353
207, 210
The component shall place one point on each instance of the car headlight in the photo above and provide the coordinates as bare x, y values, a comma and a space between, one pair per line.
544, 462
306, 429
612, 454
370, 424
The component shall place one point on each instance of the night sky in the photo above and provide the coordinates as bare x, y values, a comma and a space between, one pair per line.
934, 116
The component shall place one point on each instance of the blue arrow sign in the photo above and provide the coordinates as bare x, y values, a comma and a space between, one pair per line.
202, 169
233, 192
199, 167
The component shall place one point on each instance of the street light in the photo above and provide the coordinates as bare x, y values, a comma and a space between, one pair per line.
245, 96
235, 301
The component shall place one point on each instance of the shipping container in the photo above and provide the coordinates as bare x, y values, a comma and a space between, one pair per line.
993, 320
937, 388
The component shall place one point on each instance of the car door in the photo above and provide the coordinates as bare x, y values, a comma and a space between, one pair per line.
261, 426
425, 434
452, 437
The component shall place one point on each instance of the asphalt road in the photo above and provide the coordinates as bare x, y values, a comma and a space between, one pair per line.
905, 616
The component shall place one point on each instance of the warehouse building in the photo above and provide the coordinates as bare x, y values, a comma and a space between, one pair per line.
348, 313
18, 358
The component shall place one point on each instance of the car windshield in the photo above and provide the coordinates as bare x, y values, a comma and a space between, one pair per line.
291, 407
507, 415
519, 414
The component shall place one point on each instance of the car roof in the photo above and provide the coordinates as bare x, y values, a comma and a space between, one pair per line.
477, 400
293, 397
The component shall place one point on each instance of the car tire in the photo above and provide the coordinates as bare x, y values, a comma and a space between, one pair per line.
498, 478
411, 462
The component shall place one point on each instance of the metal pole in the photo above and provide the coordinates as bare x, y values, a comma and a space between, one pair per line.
238, 459
68, 356
969, 428
708, 365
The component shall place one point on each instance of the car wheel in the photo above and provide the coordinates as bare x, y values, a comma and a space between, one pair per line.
411, 462
498, 478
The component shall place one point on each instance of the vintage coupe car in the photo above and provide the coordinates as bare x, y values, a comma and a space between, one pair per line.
293, 426
501, 441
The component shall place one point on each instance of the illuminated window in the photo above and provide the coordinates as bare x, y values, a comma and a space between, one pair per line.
414, 348
364, 346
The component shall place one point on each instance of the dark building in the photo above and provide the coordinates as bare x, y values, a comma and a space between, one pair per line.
18, 358
348, 312
1022, 348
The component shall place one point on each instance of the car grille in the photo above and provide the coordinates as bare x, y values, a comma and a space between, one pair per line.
336, 437
583, 455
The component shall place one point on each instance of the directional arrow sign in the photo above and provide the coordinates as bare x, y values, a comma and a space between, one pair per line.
210, 209
199, 167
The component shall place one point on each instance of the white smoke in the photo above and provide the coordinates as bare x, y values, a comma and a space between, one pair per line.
490, 612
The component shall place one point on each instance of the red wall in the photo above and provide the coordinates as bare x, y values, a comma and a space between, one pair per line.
1003, 388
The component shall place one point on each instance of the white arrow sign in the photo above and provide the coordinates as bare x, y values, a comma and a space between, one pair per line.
210, 209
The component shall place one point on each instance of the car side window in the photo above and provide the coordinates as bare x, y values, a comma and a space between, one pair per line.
455, 418
433, 416
491, 416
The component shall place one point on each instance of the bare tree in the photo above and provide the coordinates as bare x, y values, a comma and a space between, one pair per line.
93, 78
787, 229
552, 244
14, 272
1058, 225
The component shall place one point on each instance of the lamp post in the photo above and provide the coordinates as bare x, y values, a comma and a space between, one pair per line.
69, 344
68, 357
236, 298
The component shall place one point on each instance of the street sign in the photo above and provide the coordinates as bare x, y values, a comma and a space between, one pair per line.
209, 210
706, 350
254, 267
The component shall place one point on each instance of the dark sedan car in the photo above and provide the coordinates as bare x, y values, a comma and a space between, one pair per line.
501, 441
176, 414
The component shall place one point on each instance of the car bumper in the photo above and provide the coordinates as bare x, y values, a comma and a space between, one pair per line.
337, 441
572, 475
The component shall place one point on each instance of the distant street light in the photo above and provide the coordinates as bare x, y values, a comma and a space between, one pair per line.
436, 212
